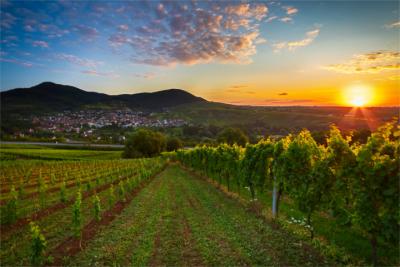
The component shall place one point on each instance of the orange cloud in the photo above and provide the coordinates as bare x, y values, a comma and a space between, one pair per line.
290, 10
373, 62
293, 45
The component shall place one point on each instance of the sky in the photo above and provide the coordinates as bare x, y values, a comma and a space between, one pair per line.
237, 52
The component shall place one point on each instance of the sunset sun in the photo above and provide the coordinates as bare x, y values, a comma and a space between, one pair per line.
358, 95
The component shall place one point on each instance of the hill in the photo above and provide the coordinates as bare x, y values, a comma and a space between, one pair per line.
52, 97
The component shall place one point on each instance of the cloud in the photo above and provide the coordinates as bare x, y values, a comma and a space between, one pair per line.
103, 74
123, 27
283, 94
286, 19
17, 62
289, 102
293, 45
195, 33
290, 10
239, 86
29, 28
372, 62
146, 75
87, 32
395, 77
79, 61
42, 44
395, 24
271, 19
7, 20
258, 11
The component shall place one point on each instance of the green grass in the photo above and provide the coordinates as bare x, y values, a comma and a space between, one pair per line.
46, 153
342, 243
181, 220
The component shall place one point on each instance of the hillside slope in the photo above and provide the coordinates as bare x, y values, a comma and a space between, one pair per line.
52, 97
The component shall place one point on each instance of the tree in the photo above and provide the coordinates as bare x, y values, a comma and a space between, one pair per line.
232, 136
144, 143
174, 143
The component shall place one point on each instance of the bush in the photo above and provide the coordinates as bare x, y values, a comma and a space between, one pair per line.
144, 143
232, 136
174, 143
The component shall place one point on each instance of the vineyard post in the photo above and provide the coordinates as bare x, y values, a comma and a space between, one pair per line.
274, 200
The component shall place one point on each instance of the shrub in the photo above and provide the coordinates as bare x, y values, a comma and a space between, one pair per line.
232, 136
144, 143
174, 143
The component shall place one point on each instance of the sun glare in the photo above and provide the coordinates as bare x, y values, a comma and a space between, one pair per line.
358, 95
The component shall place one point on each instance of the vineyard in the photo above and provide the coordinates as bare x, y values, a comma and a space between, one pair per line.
287, 202
44, 192
355, 186
12, 152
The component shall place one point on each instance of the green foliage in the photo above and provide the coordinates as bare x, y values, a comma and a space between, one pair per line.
52, 179
144, 143
121, 190
42, 193
232, 136
355, 183
97, 207
111, 196
38, 245
77, 215
11, 207
63, 196
173, 143
21, 189
376, 186
88, 186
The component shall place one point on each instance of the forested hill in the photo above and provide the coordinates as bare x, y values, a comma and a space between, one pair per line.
50, 97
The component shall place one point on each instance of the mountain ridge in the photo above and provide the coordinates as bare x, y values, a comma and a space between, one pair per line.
52, 97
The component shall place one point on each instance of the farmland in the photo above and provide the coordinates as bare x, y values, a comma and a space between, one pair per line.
176, 219
206, 206
30, 152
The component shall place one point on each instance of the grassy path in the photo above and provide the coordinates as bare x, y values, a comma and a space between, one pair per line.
179, 220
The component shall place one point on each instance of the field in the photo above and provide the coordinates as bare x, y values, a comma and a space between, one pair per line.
177, 219
174, 210
12, 152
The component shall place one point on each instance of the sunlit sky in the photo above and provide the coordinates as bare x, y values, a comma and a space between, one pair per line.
248, 53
